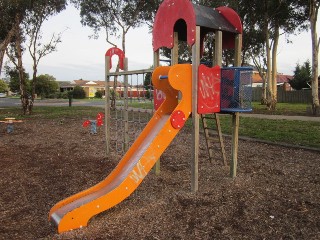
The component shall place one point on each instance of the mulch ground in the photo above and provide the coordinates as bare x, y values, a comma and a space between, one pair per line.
276, 194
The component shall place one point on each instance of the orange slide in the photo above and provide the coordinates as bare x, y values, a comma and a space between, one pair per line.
75, 211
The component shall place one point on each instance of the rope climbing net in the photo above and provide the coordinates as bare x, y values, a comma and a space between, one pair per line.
131, 106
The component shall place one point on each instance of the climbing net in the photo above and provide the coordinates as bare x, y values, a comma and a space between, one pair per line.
131, 105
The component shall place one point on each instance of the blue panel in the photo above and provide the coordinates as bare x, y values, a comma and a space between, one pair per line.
236, 89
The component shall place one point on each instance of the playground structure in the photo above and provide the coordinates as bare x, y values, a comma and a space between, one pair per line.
10, 122
189, 89
94, 123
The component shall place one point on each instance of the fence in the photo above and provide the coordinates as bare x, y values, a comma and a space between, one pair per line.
301, 96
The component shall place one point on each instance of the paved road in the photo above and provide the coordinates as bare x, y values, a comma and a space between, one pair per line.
264, 116
11, 102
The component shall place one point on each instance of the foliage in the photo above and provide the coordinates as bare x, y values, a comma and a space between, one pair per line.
115, 17
98, 94
78, 92
18, 18
302, 76
32, 24
11, 15
3, 86
14, 82
46, 85
63, 95
147, 82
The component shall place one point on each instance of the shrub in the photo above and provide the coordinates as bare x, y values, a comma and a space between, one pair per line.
78, 92
53, 95
98, 94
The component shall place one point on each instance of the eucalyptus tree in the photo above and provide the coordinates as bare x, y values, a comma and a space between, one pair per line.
18, 18
41, 11
11, 15
313, 9
267, 20
116, 18
14, 11
6, 28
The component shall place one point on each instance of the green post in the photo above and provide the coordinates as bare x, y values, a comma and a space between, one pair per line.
70, 96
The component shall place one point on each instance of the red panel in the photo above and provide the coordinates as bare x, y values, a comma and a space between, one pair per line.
177, 119
209, 82
100, 117
116, 51
232, 17
169, 12
86, 123
158, 97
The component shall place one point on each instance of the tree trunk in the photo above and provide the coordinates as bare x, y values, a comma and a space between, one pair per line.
4, 44
23, 88
2, 52
34, 78
315, 51
274, 71
264, 91
268, 76
34, 82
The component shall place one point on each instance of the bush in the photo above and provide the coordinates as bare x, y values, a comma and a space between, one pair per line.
65, 95
98, 94
53, 95
78, 93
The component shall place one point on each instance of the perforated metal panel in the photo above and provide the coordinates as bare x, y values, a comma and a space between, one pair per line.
236, 89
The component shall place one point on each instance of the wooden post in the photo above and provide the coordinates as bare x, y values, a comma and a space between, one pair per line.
125, 114
107, 104
235, 139
218, 48
195, 115
235, 116
175, 49
237, 50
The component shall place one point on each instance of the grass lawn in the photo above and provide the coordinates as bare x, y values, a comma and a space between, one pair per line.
284, 131
297, 109
300, 133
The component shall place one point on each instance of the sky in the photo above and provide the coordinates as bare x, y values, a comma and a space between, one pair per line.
81, 57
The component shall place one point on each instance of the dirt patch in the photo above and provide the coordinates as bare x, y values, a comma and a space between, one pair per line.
275, 195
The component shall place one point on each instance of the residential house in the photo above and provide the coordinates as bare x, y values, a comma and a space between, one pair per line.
282, 80
91, 87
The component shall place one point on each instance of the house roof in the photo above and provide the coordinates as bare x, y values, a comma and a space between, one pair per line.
281, 78
66, 84
98, 83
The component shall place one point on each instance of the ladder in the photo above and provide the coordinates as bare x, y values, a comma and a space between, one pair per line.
213, 135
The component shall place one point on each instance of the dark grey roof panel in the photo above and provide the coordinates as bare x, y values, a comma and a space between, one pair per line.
211, 18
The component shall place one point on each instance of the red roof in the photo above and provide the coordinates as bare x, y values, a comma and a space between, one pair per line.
99, 83
281, 78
